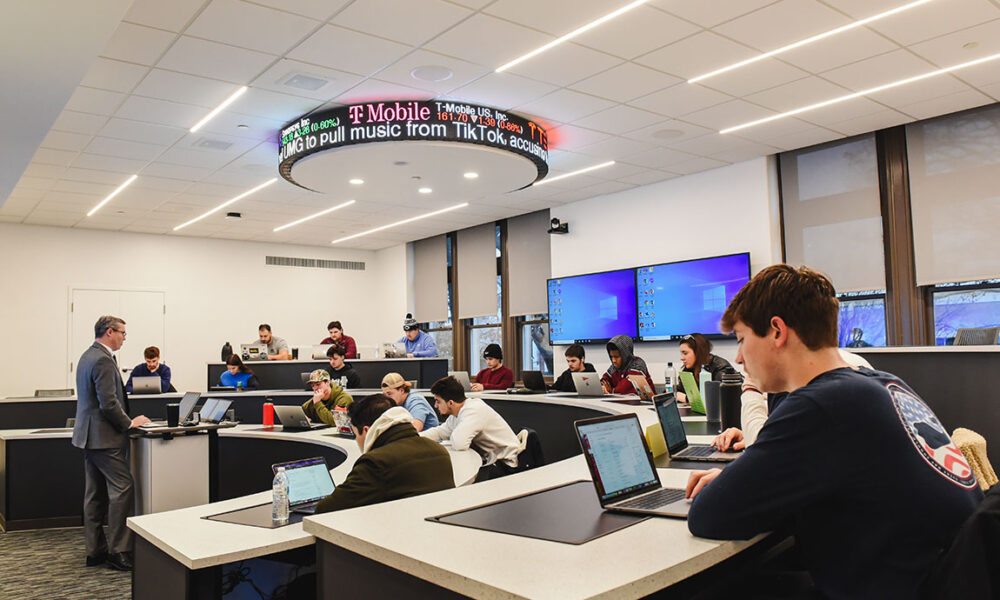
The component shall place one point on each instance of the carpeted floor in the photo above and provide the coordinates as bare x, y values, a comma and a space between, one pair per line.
48, 564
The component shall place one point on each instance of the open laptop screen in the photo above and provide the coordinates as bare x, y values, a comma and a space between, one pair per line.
308, 480
187, 406
670, 422
615, 451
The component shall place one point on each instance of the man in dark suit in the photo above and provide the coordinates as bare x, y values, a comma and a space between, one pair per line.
101, 430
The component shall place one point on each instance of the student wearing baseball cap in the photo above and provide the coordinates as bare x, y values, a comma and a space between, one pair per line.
398, 390
327, 397
495, 376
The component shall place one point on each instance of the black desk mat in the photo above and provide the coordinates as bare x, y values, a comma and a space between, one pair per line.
255, 516
568, 514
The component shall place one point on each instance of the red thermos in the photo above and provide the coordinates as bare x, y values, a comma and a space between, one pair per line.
268, 414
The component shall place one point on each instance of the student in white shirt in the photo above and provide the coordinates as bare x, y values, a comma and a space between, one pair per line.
471, 423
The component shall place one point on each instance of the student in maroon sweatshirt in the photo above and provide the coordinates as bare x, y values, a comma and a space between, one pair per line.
495, 376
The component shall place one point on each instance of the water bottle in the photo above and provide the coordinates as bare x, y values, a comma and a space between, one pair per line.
279, 498
670, 377
730, 401
702, 378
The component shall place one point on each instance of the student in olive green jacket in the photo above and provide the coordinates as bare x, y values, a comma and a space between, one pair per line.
326, 397
396, 462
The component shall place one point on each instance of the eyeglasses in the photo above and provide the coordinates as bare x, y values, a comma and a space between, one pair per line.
121, 331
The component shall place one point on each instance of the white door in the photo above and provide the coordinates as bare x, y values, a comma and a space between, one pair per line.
143, 312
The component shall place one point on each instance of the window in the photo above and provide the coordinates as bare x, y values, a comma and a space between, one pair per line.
536, 352
965, 304
862, 319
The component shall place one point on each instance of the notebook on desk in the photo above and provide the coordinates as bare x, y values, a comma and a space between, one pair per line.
621, 467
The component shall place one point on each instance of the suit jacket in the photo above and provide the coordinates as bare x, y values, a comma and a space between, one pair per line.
102, 419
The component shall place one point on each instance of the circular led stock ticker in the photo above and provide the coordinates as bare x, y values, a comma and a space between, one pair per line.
447, 134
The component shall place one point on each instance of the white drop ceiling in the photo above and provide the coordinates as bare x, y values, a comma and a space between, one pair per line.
617, 92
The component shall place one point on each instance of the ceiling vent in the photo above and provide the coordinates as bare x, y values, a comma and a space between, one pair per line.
210, 144
302, 81
314, 263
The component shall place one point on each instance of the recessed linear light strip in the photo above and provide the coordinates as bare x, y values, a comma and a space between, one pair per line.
403, 222
867, 92
227, 203
112, 195
310, 217
581, 171
571, 34
809, 40
219, 109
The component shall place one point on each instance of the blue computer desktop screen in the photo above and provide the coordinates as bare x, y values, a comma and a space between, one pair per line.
592, 308
676, 299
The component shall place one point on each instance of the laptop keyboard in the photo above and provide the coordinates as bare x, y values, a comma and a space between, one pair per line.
699, 451
661, 497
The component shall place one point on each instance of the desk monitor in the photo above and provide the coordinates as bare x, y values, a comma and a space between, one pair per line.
679, 298
591, 308
146, 385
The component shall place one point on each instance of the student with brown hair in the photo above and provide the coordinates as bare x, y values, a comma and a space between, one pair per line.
853, 460
151, 367
696, 352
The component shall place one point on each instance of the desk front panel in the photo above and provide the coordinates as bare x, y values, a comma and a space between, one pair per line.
286, 374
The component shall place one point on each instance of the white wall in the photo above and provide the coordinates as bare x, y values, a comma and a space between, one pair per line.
216, 291
727, 210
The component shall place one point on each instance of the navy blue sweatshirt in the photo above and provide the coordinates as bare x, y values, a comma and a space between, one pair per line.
865, 473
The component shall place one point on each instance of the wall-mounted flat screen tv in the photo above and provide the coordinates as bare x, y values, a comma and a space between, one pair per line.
592, 308
679, 298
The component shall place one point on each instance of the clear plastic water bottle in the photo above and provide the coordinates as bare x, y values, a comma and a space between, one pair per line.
279, 498
670, 378
702, 378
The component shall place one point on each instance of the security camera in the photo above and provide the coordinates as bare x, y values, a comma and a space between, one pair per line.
557, 226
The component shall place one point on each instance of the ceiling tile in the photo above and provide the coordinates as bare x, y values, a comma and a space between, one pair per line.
44, 171
837, 51
712, 13
782, 23
648, 177
272, 105
657, 158
727, 114
46, 156
761, 75
993, 90
108, 163
488, 41
862, 9
565, 64
613, 148
564, 106
856, 108
563, 162
949, 50
98, 102
95, 176
138, 131
123, 148
408, 21
83, 187
551, 17
172, 16
619, 119
669, 133
315, 9
461, 72
367, 54
695, 165
219, 61
187, 89
162, 112
936, 18
696, 55
281, 77
926, 89
36, 183
979, 76
793, 140
708, 144
114, 75
248, 127
187, 173
260, 28
942, 105
502, 90
744, 152
137, 44
570, 137
872, 122
373, 89
625, 82
680, 99
148, 182
879, 70
637, 32
78, 122
797, 94
62, 140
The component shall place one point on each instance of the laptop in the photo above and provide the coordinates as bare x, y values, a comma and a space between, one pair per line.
463, 378
183, 415
622, 469
253, 351
673, 434
146, 385
214, 410
534, 382
309, 482
692, 392
319, 352
293, 418
588, 384
642, 387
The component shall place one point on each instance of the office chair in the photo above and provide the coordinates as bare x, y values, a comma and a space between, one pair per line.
973, 447
54, 393
977, 336
531, 456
